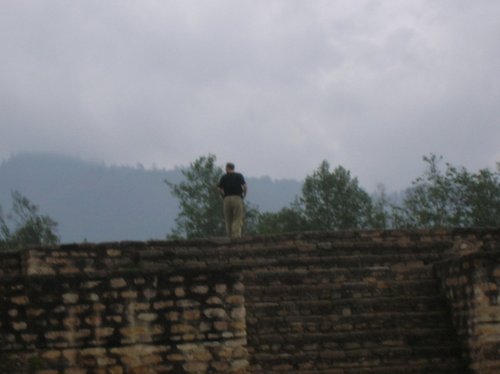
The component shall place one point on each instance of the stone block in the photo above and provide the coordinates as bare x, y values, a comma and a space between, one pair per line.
238, 313
195, 367
173, 316
180, 292
214, 300
103, 332
213, 313
90, 284
185, 303
118, 283
220, 366
35, 312
176, 279
115, 370
29, 338
20, 300
94, 352
151, 360
129, 294
51, 355
70, 298
200, 289
13, 313
182, 329
221, 289
235, 300
70, 355
175, 357
114, 252
149, 293
139, 281
243, 364
69, 270
137, 306
239, 286
163, 304
18, 326
74, 370
71, 322
98, 307
191, 315
147, 317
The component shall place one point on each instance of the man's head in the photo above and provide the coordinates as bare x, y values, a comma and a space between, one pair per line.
229, 167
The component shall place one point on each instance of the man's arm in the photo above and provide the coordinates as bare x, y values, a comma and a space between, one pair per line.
243, 190
221, 191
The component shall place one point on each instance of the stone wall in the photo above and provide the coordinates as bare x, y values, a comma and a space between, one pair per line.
127, 322
472, 287
325, 302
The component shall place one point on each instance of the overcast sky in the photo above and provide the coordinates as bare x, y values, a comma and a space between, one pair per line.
274, 86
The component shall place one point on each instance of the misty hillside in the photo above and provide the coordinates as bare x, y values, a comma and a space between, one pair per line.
95, 202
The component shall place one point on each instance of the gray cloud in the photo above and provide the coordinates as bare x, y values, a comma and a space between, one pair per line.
276, 86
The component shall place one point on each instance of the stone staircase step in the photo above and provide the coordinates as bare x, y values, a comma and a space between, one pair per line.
444, 366
284, 248
341, 253
359, 359
346, 306
364, 322
250, 260
266, 276
396, 337
342, 289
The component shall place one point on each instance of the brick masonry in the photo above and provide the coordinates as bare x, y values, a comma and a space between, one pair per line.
326, 302
471, 284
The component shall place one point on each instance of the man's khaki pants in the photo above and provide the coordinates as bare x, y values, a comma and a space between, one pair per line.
233, 215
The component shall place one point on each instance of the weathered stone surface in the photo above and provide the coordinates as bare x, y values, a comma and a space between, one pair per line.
311, 302
70, 298
200, 289
118, 283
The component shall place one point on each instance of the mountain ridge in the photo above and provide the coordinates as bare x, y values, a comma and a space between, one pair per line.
95, 202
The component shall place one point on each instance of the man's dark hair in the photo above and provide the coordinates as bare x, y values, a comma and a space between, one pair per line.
230, 166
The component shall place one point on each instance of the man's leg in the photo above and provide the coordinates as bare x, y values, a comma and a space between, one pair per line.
228, 215
237, 223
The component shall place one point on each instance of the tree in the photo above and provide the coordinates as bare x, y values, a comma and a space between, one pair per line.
288, 219
434, 200
330, 200
334, 200
201, 213
25, 226
200, 204
452, 197
381, 209
483, 197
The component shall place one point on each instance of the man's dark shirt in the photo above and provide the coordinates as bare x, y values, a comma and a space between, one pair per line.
232, 183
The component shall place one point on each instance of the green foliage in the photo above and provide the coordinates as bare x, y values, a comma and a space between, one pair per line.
251, 220
200, 203
334, 200
201, 206
25, 226
330, 200
288, 219
483, 198
381, 209
452, 197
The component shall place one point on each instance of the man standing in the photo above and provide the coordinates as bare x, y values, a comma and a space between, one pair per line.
233, 189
